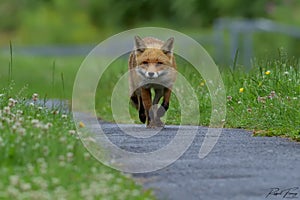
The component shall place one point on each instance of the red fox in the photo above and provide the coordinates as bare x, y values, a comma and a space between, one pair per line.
151, 66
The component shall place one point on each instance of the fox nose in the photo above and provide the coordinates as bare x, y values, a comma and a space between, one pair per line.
151, 74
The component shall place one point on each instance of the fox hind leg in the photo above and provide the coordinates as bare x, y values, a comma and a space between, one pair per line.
136, 102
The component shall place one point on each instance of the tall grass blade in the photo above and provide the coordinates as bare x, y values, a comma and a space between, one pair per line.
63, 90
53, 82
10, 65
236, 55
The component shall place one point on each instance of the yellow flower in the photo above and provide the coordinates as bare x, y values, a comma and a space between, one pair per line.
268, 72
81, 124
202, 83
242, 90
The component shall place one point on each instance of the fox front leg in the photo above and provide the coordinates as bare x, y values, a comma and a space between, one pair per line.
165, 104
155, 119
147, 103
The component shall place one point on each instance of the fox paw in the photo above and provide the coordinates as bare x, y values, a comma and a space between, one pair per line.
142, 117
156, 124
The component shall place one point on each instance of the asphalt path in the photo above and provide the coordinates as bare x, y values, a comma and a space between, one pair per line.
239, 167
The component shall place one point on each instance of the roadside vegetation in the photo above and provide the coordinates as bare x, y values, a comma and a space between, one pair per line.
265, 99
41, 155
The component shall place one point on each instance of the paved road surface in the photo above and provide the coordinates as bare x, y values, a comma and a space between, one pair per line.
239, 167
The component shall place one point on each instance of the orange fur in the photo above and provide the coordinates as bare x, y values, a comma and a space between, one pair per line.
152, 66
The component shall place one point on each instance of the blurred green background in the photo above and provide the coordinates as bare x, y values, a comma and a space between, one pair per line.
59, 23
44, 32
90, 21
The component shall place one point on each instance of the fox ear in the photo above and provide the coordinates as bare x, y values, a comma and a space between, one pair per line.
167, 48
140, 46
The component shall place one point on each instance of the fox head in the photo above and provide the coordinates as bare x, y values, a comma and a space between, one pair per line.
153, 57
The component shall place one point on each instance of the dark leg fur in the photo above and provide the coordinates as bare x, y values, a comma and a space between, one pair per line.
142, 115
134, 101
162, 109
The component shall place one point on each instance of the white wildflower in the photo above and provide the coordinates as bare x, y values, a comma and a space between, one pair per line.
72, 132
21, 131
35, 121
35, 97
64, 116
19, 112
70, 156
49, 125
25, 186
14, 180
62, 139
55, 112
6, 109
11, 102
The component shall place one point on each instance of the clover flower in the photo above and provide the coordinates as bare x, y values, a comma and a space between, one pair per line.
70, 156
72, 132
55, 112
25, 186
14, 180
6, 110
35, 121
64, 116
21, 131
261, 99
12, 102
272, 95
35, 97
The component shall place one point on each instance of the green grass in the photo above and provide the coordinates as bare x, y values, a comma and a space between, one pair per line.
41, 74
255, 108
268, 104
42, 157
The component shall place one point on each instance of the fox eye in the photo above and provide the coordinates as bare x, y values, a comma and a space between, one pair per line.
145, 63
160, 63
